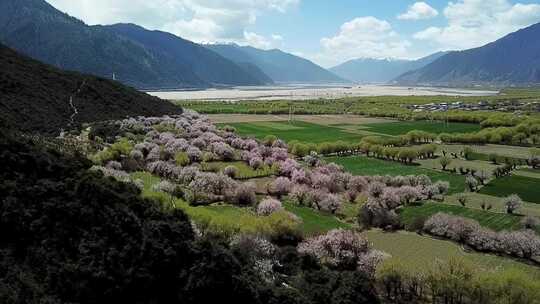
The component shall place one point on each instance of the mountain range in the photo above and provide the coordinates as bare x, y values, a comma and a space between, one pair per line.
139, 57
281, 67
42, 32
36, 97
148, 59
369, 70
511, 60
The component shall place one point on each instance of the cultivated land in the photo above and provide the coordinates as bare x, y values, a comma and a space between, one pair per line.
301, 131
492, 220
420, 251
403, 127
528, 188
316, 123
316, 119
361, 165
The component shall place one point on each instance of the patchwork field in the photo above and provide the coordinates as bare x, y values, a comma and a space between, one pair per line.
527, 188
402, 127
533, 173
492, 220
476, 200
316, 119
457, 163
361, 165
420, 251
509, 151
412, 249
301, 131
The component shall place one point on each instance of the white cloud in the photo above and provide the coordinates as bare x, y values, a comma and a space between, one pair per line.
197, 20
418, 11
362, 37
277, 37
473, 23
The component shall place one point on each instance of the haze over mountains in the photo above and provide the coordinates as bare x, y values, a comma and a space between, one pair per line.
369, 70
280, 66
511, 60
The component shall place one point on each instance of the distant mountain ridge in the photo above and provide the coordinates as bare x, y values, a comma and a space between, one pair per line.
280, 66
205, 63
369, 70
36, 97
40, 31
511, 60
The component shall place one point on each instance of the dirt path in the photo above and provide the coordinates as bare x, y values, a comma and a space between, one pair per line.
72, 105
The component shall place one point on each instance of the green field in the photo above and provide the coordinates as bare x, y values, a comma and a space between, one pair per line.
437, 127
232, 219
528, 172
314, 222
419, 251
361, 165
301, 131
244, 170
527, 188
492, 220
476, 200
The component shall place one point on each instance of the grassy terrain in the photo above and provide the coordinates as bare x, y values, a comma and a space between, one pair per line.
244, 170
502, 150
360, 165
528, 172
314, 222
527, 188
419, 251
324, 119
402, 127
476, 200
301, 131
232, 219
456, 163
492, 220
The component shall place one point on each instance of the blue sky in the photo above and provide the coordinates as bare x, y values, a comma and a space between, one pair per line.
326, 31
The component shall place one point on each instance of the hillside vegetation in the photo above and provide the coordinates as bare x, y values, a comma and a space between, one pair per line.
35, 97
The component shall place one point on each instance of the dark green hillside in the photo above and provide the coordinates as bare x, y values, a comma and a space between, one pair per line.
35, 97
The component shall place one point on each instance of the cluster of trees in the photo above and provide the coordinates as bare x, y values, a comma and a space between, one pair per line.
176, 154
383, 203
343, 249
389, 150
523, 244
526, 133
453, 281
71, 235
401, 154
377, 143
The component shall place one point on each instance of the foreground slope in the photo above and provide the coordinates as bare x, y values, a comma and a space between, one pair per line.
36, 97
42, 32
279, 66
513, 59
369, 70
